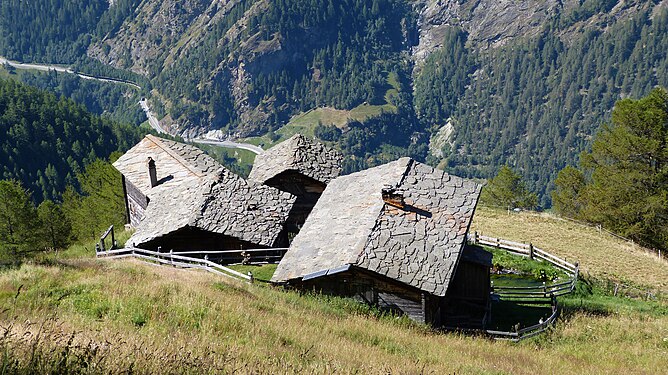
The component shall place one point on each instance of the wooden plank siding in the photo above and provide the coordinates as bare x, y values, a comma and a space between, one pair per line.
135, 203
465, 305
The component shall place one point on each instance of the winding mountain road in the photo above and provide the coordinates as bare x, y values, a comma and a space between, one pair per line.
152, 120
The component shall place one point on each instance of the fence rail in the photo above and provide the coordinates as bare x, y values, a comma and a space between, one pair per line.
525, 333
531, 293
175, 260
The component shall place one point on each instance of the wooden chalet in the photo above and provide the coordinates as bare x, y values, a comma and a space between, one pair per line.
301, 167
395, 236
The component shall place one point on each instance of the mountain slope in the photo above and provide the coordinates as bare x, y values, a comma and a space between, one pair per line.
45, 141
525, 83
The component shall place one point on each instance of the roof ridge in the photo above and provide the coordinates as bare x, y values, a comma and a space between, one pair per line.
159, 142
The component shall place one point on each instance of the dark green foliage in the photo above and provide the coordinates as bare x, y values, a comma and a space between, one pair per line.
117, 101
18, 221
327, 132
46, 141
534, 103
508, 190
443, 79
626, 189
56, 228
101, 203
566, 198
57, 31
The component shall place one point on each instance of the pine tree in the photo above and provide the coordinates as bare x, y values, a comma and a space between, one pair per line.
17, 221
508, 190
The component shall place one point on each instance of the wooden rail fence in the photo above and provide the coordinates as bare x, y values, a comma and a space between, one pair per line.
530, 294
176, 261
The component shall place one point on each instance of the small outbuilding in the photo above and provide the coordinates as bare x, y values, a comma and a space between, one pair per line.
301, 167
395, 236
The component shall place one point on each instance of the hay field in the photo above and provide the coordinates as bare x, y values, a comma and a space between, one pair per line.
599, 254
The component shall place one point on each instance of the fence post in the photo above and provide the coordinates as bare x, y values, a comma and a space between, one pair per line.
498, 243
530, 250
544, 289
475, 237
250, 274
171, 256
113, 238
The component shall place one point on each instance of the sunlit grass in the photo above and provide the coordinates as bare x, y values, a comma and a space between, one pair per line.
71, 311
599, 254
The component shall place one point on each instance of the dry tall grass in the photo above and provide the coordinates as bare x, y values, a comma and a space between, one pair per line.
122, 315
598, 253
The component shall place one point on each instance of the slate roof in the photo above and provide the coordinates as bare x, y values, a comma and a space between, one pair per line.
351, 225
298, 153
176, 163
222, 203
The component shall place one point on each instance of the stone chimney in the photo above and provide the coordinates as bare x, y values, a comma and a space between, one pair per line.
393, 196
152, 173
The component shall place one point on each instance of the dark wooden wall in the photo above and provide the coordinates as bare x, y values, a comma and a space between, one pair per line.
465, 304
389, 295
194, 239
135, 203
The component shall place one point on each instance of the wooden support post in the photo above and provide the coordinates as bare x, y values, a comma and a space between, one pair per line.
113, 239
250, 274
530, 250
475, 237
544, 289
171, 256
498, 243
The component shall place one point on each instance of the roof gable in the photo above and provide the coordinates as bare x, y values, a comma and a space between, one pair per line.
298, 153
175, 163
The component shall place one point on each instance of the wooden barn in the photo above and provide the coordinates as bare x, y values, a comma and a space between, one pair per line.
301, 167
395, 236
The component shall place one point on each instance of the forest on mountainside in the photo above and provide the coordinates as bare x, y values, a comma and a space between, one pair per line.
536, 105
45, 141
532, 103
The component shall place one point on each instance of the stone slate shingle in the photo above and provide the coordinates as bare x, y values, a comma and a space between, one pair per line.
223, 203
298, 153
419, 244
176, 163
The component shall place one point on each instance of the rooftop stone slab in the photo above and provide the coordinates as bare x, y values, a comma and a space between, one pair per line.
223, 203
419, 243
298, 153
175, 162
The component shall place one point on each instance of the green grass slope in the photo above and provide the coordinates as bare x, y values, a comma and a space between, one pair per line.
71, 312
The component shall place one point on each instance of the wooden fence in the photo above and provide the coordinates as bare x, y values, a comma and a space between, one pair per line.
530, 294
175, 260
524, 333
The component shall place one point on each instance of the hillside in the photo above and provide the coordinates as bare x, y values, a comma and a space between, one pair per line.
69, 311
482, 83
600, 254
45, 141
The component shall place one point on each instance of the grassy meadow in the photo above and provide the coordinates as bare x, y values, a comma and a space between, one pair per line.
69, 312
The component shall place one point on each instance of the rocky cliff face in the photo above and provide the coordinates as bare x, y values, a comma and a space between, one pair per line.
489, 23
494, 23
